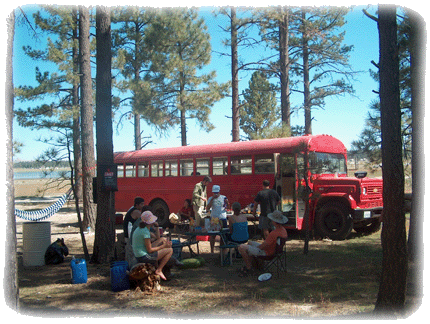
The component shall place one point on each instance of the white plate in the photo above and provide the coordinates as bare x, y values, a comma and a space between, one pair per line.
265, 276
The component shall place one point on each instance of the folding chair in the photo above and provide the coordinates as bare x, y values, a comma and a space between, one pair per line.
278, 259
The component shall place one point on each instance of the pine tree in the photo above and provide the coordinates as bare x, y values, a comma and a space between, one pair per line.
54, 102
260, 111
275, 31
325, 70
392, 289
104, 238
132, 63
180, 49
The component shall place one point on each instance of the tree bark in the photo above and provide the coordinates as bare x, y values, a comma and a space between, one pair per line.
234, 78
306, 84
392, 289
11, 289
87, 116
76, 123
104, 240
284, 66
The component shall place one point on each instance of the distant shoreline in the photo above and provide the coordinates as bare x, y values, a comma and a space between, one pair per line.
39, 173
35, 187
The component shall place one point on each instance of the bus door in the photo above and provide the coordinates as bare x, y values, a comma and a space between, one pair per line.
286, 185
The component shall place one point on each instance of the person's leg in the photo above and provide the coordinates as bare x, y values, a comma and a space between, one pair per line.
198, 214
163, 256
212, 243
243, 250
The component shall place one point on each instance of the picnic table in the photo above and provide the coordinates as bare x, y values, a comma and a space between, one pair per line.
192, 239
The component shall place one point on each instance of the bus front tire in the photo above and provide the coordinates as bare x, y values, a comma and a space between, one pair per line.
333, 221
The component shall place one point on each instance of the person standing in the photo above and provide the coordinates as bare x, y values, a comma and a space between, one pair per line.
218, 205
268, 199
199, 199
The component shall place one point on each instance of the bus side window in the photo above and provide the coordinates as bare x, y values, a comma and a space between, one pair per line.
264, 163
186, 167
130, 170
220, 166
241, 165
143, 170
171, 168
120, 171
156, 169
202, 167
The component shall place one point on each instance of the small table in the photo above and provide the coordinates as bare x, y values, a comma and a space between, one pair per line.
191, 238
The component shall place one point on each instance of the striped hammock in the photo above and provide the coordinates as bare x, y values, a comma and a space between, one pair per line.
39, 215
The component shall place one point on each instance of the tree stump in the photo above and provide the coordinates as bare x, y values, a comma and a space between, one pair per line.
143, 275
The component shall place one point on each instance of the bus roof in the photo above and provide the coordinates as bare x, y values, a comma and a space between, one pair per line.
319, 143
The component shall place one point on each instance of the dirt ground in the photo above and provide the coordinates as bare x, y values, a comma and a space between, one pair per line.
322, 284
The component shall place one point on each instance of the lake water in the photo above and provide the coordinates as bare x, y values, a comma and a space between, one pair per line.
37, 175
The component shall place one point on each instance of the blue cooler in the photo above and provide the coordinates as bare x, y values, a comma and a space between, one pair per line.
79, 271
118, 276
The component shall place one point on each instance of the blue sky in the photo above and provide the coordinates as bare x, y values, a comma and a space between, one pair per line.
343, 117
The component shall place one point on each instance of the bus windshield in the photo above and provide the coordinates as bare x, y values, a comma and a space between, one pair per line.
327, 163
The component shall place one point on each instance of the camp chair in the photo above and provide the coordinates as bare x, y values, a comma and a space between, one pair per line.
278, 259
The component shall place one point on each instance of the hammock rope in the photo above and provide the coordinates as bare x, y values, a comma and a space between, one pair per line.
39, 215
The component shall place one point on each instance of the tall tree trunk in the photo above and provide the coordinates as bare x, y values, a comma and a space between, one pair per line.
392, 289
105, 231
11, 289
87, 116
183, 128
306, 84
136, 66
234, 78
76, 124
284, 66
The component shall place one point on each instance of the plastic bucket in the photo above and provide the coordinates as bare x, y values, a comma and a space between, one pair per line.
79, 271
36, 238
177, 249
118, 276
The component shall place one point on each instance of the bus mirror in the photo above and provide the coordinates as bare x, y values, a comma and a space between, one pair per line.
360, 174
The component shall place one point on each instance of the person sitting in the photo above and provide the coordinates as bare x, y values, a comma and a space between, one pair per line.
254, 249
186, 212
143, 249
238, 225
132, 214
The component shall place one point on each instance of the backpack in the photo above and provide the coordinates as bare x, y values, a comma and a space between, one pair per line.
56, 252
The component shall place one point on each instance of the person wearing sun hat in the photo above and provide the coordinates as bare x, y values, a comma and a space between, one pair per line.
252, 248
143, 249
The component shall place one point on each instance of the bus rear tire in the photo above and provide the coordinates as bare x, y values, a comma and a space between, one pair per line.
161, 210
333, 221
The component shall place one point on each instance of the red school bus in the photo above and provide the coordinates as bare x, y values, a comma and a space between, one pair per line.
165, 177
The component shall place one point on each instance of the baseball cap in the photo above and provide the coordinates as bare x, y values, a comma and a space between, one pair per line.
148, 218
216, 188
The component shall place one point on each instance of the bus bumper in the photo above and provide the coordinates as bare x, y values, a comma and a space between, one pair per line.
366, 214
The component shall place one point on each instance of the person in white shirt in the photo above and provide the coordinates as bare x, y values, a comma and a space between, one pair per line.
218, 205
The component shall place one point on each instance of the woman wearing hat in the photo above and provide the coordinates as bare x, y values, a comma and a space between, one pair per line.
252, 248
144, 250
